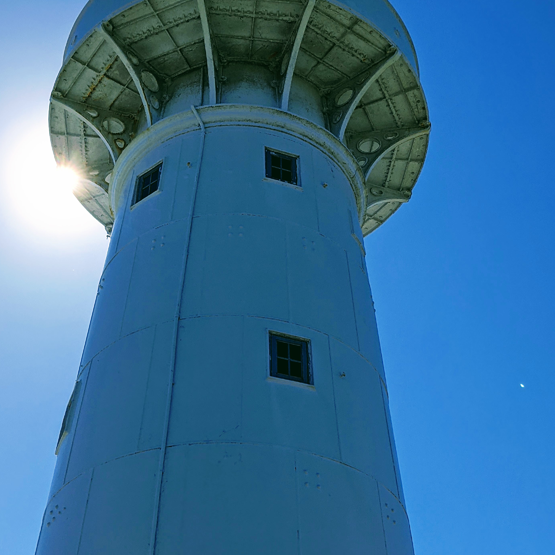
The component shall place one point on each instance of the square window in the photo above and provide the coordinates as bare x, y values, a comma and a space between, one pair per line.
281, 167
289, 358
147, 183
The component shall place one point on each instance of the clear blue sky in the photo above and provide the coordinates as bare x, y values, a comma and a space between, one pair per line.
463, 279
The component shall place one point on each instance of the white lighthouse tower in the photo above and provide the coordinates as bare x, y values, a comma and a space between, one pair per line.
231, 399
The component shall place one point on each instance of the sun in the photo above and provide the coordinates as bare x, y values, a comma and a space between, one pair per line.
40, 192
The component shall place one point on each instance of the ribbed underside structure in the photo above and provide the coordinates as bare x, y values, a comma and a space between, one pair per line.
318, 60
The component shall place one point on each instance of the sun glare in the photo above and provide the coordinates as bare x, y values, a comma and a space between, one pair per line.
41, 192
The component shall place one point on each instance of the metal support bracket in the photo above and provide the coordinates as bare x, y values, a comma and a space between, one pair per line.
346, 97
116, 130
371, 146
210, 59
289, 63
379, 195
151, 86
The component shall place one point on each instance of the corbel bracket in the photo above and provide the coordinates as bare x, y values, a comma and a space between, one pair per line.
210, 58
344, 99
152, 87
370, 147
378, 195
290, 61
116, 130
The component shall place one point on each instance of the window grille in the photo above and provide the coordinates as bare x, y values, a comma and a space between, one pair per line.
281, 167
289, 359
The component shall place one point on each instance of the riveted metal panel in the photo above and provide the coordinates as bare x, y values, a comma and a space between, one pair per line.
113, 403
361, 418
154, 407
111, 300
119, 509
155, 285
382, 15
156, 209
385, 396
218, 416
338, 509
228, 498
395, 524
319, 285
63, 518
238, 183
337, 211
248, 83
245, 258
282, 412
369, 342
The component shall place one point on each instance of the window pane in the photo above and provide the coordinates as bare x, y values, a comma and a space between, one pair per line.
282, 349
281, 167
147, 183
289, 358
296, 369
296, 352
283, 366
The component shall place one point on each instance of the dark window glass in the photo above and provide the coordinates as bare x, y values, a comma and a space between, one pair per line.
289, 358
147, 183
281, 167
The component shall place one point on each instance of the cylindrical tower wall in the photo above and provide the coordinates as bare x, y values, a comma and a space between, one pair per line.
251, 463
231, 396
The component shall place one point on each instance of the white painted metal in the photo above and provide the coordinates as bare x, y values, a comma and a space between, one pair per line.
177, 439
210, 62
294, 54
358, 87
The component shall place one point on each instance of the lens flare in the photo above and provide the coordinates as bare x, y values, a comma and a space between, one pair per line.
41, 193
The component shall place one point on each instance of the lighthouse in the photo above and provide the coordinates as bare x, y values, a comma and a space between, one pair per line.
231, 398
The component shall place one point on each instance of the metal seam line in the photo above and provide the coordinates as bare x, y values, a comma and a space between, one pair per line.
164, 445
